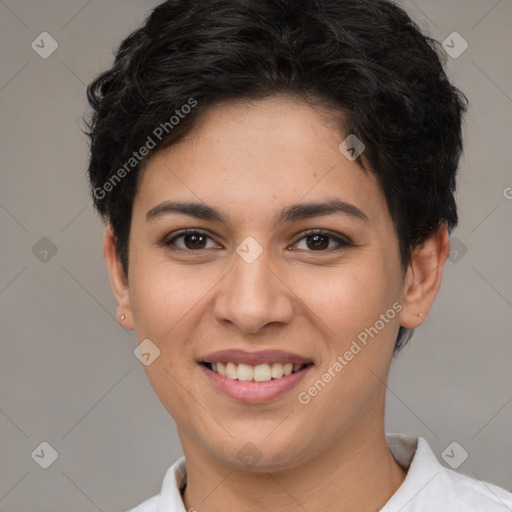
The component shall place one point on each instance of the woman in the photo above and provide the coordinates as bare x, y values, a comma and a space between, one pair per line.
277, 180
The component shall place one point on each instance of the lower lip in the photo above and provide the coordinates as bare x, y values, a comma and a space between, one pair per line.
252, 392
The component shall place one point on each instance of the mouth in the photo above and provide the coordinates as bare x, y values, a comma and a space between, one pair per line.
254, 377
254, 373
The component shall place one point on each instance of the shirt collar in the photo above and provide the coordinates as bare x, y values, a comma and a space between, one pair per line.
174, 480
422, 467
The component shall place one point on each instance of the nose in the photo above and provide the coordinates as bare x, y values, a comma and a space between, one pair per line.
252, 296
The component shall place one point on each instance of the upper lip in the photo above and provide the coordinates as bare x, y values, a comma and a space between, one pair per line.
254, 358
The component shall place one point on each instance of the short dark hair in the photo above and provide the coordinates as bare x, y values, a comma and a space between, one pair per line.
365, 58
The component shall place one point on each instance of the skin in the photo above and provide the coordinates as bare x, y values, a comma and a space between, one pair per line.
251, 160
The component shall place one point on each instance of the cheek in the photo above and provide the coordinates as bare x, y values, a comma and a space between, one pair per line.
353, 308
164, 300
350, 378
161, 295
348, 299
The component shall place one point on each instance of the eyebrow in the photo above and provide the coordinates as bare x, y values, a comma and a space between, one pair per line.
290, 213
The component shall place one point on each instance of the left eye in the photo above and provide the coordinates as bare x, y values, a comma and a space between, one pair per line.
320, 241
315, 241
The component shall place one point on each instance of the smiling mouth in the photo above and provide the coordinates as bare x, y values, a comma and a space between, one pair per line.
258, 373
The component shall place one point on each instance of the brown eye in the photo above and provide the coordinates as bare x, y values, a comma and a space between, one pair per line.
194, 241
320, 241
190, 240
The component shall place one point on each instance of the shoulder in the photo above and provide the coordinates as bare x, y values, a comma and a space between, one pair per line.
169, 498
431, 486
474, 495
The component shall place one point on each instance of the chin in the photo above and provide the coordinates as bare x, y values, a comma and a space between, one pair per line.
260, 455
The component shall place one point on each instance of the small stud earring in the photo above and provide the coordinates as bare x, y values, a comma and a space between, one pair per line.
123, 316
419, 314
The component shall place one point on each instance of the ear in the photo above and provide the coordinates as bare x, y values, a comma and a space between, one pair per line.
118, 279
423, 277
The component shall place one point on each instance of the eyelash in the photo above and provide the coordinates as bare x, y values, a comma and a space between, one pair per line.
342, 243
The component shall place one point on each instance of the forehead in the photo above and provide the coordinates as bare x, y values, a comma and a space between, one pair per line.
250, 156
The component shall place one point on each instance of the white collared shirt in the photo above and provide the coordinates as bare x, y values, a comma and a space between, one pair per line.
428, 486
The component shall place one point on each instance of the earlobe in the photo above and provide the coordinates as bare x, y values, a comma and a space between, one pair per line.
118, 279
423, 278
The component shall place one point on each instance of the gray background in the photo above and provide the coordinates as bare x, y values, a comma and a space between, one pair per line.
68, 375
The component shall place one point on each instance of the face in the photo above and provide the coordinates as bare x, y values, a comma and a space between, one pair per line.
269, 279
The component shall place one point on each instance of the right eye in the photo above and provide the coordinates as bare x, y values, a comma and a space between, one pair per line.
193, 240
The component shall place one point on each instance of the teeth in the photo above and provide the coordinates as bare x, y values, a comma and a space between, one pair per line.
221, 368
231, 371
276, 370
245, 372
259, 373
262, 373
